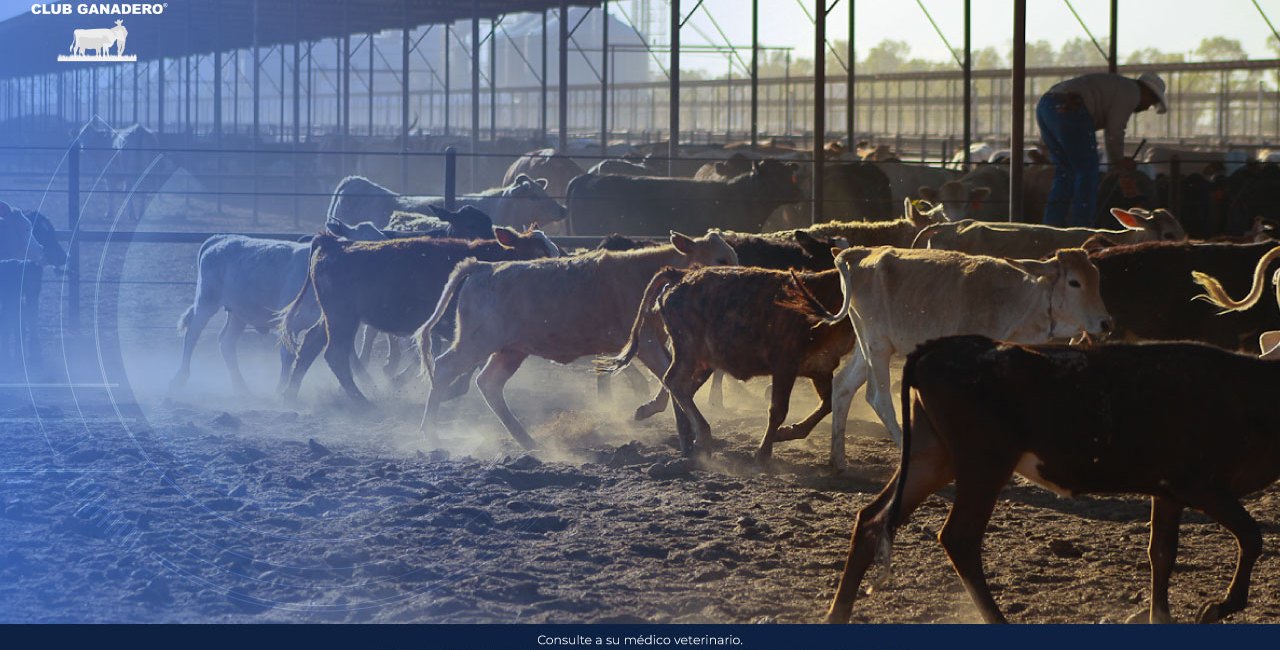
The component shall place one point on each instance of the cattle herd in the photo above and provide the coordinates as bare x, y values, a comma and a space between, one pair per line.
1086, 360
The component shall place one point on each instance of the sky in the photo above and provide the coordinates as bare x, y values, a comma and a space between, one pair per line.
1170, 25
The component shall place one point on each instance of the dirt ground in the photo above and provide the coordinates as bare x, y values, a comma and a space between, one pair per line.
204, 506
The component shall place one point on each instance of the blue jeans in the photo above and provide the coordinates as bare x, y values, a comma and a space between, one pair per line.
1068, 134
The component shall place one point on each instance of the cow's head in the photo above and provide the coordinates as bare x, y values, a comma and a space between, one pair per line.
1159, 225
1075, 299
708, 250
958, 201
922, 213
530, 244
823, 251
363, 231
532, 203
779, 181
17, 240
736, 165
467, 223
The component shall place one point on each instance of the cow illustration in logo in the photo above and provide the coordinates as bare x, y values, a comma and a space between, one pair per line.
100, 40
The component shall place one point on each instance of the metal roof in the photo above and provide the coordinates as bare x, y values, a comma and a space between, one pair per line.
31, 43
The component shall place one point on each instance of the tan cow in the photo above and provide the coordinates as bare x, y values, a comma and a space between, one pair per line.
562, 311
899, 298
899, 232
1035, 241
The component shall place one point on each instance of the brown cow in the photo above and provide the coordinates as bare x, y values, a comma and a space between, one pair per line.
747, 322
561, 310
1107, 419
390, 285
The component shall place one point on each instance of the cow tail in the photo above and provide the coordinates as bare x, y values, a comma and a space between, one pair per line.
884, 553
813, 301
332, 212
660, 281
842, 266
286, 319
1216, 294
422, 337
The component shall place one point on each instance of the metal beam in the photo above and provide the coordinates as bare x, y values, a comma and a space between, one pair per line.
968, 83
405, 28
542, 104
673, 144
850, 84
447, 76
604, 77
475, 86
819, 103
493, 81
1113, 59
563, 84
755, 72
1018, 90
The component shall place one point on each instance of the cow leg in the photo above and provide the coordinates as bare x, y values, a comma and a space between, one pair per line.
783, 381
491, 380
929, 470
976, 492
1162, 552
683, 378
451, 369
653, 354
880, 394
287, 358
1228, 512
717, 390
228, 339
342, 338
395, 349
201, 312
360, 365
848, 379
802, 429
635, 379
314, 339
604, 387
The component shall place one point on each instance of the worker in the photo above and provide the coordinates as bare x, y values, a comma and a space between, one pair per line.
1069, 115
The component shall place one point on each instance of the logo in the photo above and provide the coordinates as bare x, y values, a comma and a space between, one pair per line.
99, 42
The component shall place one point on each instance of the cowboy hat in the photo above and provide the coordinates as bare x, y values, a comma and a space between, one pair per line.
1155, 84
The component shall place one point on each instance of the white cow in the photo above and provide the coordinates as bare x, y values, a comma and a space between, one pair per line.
100, 40
899, 298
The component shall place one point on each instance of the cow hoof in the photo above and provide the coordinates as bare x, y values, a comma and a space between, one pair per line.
763, 455
646, 411
1209, 613
1140, 617
836, 618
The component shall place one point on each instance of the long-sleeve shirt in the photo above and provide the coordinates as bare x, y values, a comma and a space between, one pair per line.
1110, 100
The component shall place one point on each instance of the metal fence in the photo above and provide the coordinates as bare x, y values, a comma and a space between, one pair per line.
1217, 103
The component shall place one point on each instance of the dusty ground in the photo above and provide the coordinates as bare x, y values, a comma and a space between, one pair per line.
206, 507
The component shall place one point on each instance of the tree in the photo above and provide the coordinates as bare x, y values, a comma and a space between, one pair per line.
1154, 55
1040, 54
1220, 48
887, 56
1081, 52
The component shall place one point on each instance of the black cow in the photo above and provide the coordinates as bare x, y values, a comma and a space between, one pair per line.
654, 206
1148, 291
